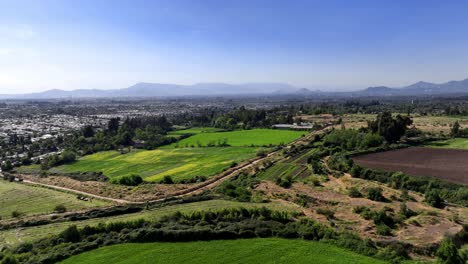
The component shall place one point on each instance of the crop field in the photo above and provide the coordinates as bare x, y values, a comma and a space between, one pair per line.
445, 164
253, 137
153, 165
296, 167
271, 250
453, 143
15, 236
30, 200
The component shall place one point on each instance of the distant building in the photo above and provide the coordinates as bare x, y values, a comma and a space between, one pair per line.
295, 126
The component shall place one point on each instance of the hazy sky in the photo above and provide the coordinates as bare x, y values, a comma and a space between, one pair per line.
326, 44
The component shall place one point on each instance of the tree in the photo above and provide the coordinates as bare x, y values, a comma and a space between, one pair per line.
88, 131
60, 208
447, 252
113, 125
392, 129
455, 131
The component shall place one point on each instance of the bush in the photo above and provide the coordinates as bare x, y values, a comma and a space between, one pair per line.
16, 214
384, 230
375, 194
167, 180
447, 252
326, 212
71, 234
60, 208
130, 180
261, 153
354, 192
433, 198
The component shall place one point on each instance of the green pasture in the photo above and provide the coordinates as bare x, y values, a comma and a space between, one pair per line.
453, 143
258, 250
153, 165
31, 200
252, 137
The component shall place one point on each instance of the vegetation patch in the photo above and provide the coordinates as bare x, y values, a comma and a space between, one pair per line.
257, 250
153, 165
22, 200
252, 137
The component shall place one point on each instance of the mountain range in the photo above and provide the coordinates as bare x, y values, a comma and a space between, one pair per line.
143, 90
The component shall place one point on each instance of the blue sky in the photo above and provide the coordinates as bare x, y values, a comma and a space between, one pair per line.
328, 45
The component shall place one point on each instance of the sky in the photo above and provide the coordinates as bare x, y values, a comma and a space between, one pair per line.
327, 45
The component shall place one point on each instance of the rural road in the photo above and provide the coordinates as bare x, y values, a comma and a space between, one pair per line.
209, 184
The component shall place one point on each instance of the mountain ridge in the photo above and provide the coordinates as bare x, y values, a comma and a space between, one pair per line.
146, 89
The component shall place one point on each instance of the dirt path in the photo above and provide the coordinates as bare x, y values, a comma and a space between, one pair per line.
209, 184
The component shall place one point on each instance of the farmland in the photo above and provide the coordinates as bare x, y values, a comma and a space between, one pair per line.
29, 200
245, 250
253, 137
153, 165
295, 167
444, 164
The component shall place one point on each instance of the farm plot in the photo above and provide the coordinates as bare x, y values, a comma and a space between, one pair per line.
153, 165
445, 164
246, 138
271, 250
296, 167
30, 200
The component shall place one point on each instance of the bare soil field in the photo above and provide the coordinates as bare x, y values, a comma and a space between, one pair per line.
445, 164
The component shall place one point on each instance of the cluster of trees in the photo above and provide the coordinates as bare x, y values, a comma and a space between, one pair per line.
249, 118
392, 129
209, 225
67, 156
152, 130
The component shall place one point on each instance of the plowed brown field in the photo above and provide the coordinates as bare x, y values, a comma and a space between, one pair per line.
445, 164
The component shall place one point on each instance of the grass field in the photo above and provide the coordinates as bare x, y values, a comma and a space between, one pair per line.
267, 250
153, 165
29, 200
253, 137
14, 236
453, 143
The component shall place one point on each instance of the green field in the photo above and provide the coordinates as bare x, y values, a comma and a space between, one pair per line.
267, 250
453, 143
253, 137
14, 236
153, 165
30, 200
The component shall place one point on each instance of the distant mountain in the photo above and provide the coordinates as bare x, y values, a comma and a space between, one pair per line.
163, 90
143, 90
420, 88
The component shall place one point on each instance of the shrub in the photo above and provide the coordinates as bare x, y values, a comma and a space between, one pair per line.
384, 230
354, 192
71, 234
375, 194
60, 208
167, 180
261, 153
433, 198
447, 252
129, 180
326, 212
16, 214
